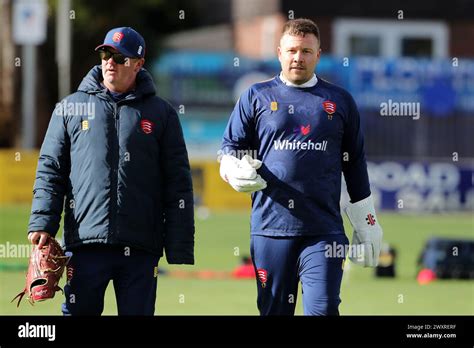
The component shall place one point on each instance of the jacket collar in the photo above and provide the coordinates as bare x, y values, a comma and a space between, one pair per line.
91, 83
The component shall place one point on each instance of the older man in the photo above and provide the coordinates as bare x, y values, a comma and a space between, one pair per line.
122, 174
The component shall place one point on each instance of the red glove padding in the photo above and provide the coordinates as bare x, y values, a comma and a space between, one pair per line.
44, 271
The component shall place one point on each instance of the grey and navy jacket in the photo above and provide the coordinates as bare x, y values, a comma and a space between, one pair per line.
119, 169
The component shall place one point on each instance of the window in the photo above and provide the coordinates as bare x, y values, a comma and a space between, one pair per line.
390, 38
417, 47
364, 45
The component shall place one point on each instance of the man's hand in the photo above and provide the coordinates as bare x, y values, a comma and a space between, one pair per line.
39, 237
367, 237
242, 174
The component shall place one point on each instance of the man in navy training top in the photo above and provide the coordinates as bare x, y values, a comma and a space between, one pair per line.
300, 132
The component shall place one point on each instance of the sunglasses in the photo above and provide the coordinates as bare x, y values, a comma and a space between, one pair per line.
118, 58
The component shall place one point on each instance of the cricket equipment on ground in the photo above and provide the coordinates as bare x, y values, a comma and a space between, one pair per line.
44, 271
242, 174
367, 237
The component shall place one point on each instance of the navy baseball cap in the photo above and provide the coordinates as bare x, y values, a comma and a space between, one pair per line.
125, 40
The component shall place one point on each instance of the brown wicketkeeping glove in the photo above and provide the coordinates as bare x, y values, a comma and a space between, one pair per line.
44, 271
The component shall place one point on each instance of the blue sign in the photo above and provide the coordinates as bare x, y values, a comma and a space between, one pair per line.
421, 186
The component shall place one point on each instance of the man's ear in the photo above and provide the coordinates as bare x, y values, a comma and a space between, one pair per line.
318, 56
140, 64
279, 52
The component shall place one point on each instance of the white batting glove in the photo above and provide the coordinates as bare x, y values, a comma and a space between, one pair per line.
367, 237
242, 174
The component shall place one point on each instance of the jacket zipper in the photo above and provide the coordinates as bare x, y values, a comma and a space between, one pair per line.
115, 164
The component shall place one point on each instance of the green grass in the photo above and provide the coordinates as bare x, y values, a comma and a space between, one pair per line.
223, 235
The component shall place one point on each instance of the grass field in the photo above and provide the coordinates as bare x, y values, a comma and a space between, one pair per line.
217, 240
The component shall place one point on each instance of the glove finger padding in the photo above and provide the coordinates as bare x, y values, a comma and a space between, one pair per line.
46, 266
363, 253
367, 237
233, 167
242, 174
248, 186
253, 163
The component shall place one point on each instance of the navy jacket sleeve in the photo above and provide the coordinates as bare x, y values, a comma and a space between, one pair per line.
51, 178
354, 165
240, 128
178, 194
